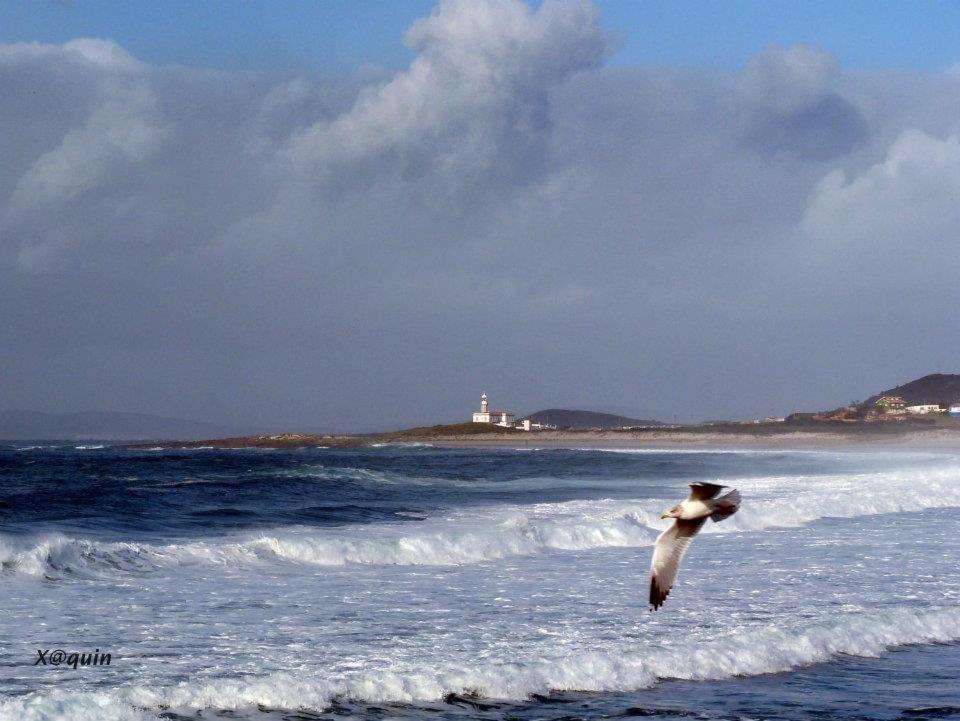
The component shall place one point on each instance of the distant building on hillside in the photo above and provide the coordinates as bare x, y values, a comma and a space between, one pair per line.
485, 415
924, 408
954, 410
894, 405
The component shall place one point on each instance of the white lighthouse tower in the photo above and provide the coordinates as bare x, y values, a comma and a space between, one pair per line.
483, 416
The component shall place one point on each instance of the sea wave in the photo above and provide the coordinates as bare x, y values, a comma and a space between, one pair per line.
769, 649
60, 557
336, 473
56, 556
797, 500
319, 471
491, 533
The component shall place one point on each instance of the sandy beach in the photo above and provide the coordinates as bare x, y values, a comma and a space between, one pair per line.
934, 439
724, 437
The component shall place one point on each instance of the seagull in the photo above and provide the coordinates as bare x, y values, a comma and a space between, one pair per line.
672, 543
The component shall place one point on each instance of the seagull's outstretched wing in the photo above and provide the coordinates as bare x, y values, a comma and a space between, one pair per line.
669, 549
704, 491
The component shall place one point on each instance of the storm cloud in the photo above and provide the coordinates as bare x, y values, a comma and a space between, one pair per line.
508, 214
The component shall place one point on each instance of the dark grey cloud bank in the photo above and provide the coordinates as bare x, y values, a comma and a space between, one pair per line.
505, 215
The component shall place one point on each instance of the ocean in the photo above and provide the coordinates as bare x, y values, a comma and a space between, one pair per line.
419, 582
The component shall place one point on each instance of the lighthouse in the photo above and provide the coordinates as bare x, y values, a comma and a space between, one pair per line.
485, 415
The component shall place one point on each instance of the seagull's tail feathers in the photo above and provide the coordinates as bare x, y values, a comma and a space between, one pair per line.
725, 506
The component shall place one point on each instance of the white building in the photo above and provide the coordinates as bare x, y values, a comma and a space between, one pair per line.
924, 409
954, 410
485, 415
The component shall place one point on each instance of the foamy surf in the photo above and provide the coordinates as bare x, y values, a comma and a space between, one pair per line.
60, 557
754, 651
499, 574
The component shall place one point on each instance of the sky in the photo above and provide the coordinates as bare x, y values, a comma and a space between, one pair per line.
358, 216
318, 35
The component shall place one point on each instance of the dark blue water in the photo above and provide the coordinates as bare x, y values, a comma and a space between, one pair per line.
121, 492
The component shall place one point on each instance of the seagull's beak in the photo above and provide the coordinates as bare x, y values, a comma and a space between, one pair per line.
665, 514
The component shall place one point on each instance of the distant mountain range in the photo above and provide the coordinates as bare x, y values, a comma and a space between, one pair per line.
562, 418
103, 425
941, 388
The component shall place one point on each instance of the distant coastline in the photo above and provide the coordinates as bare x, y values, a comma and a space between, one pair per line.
922, 413
772, 435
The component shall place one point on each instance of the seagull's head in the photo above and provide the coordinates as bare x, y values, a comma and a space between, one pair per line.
671, 513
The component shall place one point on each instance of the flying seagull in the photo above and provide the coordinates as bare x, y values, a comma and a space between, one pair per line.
672, 543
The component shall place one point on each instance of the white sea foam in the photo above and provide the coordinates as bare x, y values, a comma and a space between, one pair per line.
796, 500
752, 651
56, 555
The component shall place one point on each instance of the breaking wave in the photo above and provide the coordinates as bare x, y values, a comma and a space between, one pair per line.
749, 652
495, 532
59, 557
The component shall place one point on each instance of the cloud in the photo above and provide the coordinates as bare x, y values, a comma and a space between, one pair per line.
474, 102
788, 104
122, 126
911, 197
103, 54
120, 129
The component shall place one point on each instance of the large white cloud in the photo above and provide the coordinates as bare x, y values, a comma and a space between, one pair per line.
474, 98
909, 200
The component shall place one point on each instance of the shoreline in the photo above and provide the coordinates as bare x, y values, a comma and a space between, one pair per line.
666, 439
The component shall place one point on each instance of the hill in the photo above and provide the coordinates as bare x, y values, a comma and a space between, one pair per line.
941, 388
101, 425
562, 418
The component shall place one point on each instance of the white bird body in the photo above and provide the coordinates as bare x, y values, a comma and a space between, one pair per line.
690, 516
689, 510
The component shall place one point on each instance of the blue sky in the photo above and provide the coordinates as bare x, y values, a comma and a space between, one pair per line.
338, 34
